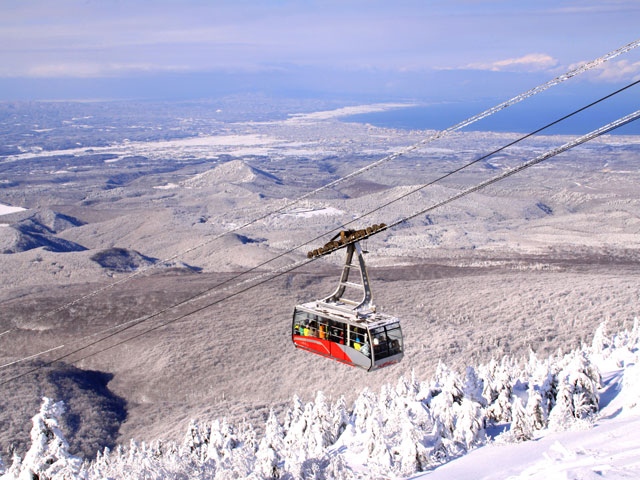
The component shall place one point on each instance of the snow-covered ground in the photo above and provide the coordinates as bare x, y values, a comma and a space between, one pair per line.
345, 112
275, 140
610, 449
7, 209
573, 416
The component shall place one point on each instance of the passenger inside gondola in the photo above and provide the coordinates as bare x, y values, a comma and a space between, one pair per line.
336, 334
365, 349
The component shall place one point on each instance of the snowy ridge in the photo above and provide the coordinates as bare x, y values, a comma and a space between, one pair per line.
406, 428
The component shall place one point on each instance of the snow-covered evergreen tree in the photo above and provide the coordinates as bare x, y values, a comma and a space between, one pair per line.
561, 416
296, 438
521, 428
535, 409
362, 409
446, 397
196, 440
586, 380
407, 388
268, 463
320, 431
600, 342
222, 441
469, 430
376, 443
473, 386
410, 456
499, 409
488, 375
14, 470
337, 469
339, 418
543, 388
578, 397
295, 424
48, 457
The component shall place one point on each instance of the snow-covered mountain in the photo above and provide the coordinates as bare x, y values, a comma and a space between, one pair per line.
567, 416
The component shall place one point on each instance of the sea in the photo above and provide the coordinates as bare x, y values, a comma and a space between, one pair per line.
519, 118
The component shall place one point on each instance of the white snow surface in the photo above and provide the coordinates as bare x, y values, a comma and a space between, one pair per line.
7, 209
345, 111
611, 450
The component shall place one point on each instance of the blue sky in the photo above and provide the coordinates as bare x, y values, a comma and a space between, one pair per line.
373, 49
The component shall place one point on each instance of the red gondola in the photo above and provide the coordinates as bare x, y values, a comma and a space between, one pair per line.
346, 330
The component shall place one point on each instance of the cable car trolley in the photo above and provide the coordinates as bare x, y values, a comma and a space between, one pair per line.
347, 330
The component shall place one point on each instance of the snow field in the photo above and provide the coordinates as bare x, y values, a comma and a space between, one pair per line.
7, 209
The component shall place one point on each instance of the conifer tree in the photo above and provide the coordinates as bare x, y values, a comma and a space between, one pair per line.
473, 386
196, 440
578, 396
376, 442
293, 414
337, 469
13, 471
487, 374
320, 427
499, 409
339, 418
268, 460
445, 405
407, 388
410, 456
222, 441
542, 384
362, 409
247, 436
632, 343
535, 410
561, 415
586, 380
297, 439
600, 342
469, 427
48, 457
521, 429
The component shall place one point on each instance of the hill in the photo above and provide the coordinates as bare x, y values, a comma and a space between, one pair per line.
38, 229
234, 172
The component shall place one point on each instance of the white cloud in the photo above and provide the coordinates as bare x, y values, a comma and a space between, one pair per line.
618, 71
532, 62
87, 70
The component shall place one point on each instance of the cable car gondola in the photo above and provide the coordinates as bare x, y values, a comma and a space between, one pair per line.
346, 330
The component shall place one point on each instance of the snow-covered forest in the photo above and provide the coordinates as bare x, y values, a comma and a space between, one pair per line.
408, 427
